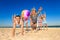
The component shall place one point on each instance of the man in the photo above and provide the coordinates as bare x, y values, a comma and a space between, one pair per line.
16, 22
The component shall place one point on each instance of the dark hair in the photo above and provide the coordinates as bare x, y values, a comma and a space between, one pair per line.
17, 15
41, 17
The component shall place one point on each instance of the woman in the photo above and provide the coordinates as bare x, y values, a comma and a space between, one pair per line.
33, 18
44, 20
40, 22
24, 20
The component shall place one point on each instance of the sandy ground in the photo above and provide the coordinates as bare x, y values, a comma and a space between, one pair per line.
50, 34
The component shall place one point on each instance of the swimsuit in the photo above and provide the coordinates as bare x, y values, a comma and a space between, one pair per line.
34, 18
44, 21
40, 21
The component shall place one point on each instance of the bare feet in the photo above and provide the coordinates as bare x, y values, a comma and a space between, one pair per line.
22, 33
13, 32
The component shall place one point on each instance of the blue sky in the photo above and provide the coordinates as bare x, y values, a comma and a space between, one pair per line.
11, 7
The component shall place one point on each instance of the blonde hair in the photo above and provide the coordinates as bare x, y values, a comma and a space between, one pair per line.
33, 9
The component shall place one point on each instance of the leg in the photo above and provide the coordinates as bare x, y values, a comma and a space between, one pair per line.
22, 27
41, 26
35, 25
46, 26
38, 26
26, 25
13, 30
31, 26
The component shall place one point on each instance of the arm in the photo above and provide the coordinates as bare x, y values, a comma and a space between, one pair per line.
30, 20
40, 9
45, 14
14, 26
14, 23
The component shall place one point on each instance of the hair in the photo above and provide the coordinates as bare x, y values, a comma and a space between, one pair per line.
33, 10
41, 16
17, 15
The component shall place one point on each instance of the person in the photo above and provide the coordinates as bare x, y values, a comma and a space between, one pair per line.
44, 20
40, 22
24, 21
16, 22
33, 18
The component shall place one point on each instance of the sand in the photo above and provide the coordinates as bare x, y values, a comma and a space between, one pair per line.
50, 34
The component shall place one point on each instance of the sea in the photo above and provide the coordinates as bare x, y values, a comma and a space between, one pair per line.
28, 26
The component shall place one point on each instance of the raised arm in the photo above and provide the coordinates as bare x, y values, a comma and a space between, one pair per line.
39, 10
45, 14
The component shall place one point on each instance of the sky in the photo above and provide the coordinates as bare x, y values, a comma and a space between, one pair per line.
10, 7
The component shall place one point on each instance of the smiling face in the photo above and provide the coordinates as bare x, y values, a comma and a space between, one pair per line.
17, 18
33, 11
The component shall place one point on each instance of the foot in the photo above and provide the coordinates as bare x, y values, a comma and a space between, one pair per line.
13, 32
22, 33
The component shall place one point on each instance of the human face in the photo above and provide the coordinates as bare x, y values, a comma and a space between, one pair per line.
18, 18
33, 11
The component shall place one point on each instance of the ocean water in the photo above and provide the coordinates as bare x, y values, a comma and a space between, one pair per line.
28, 26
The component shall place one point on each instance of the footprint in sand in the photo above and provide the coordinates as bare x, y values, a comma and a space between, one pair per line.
18, 33
4, 35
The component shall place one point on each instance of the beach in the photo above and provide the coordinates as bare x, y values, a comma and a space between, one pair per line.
50, 34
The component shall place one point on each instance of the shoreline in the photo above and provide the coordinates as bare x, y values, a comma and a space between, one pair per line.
37, 28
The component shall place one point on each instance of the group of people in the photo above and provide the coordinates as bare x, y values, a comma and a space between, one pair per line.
42, 21
19, 20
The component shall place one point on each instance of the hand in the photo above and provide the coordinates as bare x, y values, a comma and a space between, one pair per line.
40, 8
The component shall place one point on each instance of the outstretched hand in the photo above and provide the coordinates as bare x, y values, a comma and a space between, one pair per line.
40, 8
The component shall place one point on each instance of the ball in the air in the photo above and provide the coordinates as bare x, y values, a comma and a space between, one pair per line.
26, 14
